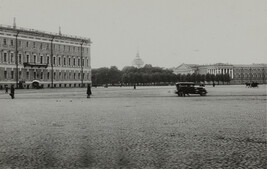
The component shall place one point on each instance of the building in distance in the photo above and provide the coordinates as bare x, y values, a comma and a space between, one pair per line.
239, 73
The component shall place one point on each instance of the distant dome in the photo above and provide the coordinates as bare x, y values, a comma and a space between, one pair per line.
138, 62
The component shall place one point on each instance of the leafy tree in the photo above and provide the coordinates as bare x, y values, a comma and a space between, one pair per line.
203, 78
219, 78
208, 77
227, 78
212, 78
115, 75
197, 78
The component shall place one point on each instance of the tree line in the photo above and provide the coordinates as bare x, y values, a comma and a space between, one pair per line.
149, 75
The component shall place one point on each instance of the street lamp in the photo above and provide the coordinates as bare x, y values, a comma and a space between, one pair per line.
17, 64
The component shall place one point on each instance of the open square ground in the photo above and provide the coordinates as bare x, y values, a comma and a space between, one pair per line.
119, 127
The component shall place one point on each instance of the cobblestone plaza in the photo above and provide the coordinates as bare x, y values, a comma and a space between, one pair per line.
149, 127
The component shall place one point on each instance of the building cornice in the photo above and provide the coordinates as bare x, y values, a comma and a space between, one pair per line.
45, 34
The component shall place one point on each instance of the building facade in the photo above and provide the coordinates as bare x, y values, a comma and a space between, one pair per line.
240, 74
50, 59
218, 68
250, 73
186, 69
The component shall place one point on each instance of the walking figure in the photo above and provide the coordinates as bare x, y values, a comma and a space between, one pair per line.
213, 84
89, 92
134, 86
12, 92
6, 87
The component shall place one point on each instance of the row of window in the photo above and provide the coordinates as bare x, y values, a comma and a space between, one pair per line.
249, 75
45, 46
57, 60
47, 75
219, 71
49, 85
248, 70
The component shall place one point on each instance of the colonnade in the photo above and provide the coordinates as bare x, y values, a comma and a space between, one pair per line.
222, 71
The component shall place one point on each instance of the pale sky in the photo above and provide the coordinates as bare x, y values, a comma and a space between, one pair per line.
167, 33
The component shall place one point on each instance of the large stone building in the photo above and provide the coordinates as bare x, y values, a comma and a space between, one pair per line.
218, 68
48, 59
249, 73
186, 69
239, 74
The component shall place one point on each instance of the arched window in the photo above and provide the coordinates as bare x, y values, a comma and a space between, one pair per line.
34, 58
11, 57
28, 58
41, 59
20, 58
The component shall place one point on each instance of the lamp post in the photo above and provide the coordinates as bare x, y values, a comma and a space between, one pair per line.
250, 74
52, 62
17, 64
82, 64
263, 76
242, 75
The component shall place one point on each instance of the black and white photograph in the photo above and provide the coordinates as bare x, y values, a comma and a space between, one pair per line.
133, 84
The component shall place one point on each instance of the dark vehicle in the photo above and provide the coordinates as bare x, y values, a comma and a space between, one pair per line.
253, 84
36, 84
183, 88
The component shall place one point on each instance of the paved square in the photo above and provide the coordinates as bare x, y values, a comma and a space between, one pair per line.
119, 127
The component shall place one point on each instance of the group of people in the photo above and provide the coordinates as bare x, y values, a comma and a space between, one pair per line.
12, 91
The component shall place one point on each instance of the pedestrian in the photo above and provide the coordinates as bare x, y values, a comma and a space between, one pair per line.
89, 92
6, 87
213, 84
134, 87
12, 92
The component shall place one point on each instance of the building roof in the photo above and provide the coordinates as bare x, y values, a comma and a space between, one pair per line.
251, 65
28, 31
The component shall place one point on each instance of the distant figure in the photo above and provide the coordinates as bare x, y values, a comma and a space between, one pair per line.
12, 92
6, 87
213, 84
89, 92
134, 87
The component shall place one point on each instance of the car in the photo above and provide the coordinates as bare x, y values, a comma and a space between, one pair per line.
36, 84
252, 84
183, 88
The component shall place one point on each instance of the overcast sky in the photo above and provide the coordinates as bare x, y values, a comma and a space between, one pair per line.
167, 33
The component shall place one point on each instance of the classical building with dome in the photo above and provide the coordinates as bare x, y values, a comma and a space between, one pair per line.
138, 62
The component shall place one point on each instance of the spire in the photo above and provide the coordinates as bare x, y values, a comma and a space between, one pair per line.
137, 54
14, 22
138, 62
59, 31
